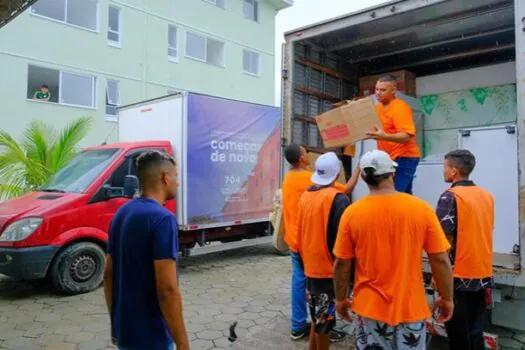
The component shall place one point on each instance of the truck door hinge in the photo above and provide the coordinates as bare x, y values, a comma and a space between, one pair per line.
465, 133
511, 129
516, 249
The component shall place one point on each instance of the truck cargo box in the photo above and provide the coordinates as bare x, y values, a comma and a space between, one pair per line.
227, 154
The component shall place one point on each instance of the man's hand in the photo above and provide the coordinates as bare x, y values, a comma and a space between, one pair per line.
444, 308
433, 284
343, 309
376, 133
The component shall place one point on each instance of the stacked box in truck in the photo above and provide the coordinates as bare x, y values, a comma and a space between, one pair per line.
227, 154
468, 58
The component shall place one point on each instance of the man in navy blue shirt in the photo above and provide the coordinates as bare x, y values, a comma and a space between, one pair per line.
140, 280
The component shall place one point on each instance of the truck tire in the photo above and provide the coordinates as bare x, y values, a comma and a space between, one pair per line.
78, 268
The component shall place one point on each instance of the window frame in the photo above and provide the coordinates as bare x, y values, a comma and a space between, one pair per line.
258, 74
172, 58
93, 89
59, 94
65, 22
112, 117
205, 60
117, 44
255, 10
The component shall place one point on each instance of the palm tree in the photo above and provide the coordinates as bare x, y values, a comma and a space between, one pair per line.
43, 151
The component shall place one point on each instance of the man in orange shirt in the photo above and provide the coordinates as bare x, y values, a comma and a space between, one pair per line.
295, 183
397, 136
320, 210
385, 233
466, 212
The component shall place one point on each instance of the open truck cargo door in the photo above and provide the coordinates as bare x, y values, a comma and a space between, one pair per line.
468, 58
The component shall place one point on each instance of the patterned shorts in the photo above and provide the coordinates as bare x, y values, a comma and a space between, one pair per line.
321, 301
380, 336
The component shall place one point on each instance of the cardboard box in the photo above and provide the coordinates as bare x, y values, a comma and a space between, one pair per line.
348, 123
314, 155
406, 82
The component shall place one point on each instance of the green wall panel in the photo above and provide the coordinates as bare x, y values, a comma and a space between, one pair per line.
446, 113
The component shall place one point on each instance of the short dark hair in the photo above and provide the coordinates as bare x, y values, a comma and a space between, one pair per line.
149, 163
292, 154
44, 86
463, 160
388, 78
373, 180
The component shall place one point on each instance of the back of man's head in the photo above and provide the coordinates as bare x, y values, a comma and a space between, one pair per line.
463, 160
376, 167
292, 154
150, 166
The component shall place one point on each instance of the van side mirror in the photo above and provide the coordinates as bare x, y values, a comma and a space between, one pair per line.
131, 185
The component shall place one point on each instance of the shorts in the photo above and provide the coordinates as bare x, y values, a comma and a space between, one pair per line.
321, 302
373, 334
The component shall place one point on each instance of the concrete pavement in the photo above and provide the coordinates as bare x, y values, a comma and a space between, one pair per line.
250, 286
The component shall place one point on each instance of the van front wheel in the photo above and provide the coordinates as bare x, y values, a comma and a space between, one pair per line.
78, 268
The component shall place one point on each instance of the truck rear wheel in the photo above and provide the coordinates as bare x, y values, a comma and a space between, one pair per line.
78, 268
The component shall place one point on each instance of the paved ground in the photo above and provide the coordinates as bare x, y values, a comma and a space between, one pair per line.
250, 286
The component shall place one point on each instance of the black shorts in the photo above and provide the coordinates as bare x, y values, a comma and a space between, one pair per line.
321, 301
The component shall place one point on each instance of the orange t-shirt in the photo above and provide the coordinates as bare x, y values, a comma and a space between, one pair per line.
295, 183
386, 234
398, 117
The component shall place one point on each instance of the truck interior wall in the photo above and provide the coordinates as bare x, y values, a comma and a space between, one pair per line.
319, 80
479, 97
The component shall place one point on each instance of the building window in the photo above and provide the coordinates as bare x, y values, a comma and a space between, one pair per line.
205, 49
218, 3
251, 10
173, 52
78, 13
112, 98
250, 62
114, 26
63, 87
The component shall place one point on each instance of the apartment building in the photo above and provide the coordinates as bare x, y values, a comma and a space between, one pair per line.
93, 55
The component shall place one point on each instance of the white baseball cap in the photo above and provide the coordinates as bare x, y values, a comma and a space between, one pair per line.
380, 161
327, 169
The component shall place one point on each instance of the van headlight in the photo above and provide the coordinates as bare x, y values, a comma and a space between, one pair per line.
20, 229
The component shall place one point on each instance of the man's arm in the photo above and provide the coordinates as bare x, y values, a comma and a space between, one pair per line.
165, 253
379, 134
446, 212
436, 246
108, 282
170, 301
342, 269
442, 273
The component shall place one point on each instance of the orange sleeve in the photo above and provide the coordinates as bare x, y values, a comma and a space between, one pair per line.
435, 239
404, 119
344, 245
339, 186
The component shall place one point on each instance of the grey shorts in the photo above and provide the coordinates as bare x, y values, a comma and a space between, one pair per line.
378, 335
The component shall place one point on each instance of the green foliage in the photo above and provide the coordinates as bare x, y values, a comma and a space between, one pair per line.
27, 165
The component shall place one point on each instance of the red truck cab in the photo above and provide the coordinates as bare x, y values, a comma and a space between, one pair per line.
60, 231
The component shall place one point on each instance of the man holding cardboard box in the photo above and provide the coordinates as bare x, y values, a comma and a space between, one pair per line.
397, 135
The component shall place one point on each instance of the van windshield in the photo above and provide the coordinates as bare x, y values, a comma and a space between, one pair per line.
81, 171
